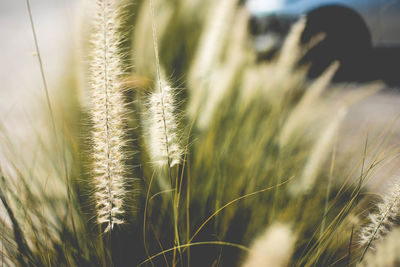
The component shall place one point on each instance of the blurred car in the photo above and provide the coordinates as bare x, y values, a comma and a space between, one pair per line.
352, 27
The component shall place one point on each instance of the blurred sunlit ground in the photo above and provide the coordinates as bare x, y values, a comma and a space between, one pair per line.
365, 122
22, 92
21, 83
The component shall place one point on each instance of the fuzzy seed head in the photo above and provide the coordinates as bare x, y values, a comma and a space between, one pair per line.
291, 47
163, 130
107, 114
386, 254
273, 248
383, 220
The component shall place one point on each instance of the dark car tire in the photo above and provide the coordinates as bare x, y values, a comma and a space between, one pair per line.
347, 39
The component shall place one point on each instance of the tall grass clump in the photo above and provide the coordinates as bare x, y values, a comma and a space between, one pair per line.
225, 148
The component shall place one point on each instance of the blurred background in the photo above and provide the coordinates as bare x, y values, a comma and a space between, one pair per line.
22, 93
20, 74
364, 35
368, 33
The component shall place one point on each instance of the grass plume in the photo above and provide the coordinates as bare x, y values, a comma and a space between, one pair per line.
107, 114
274, 247
386, 253
382, 221
164, 140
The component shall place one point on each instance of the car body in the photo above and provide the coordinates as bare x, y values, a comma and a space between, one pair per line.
271, 19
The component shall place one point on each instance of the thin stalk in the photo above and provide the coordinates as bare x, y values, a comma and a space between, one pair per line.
173, 200
218, 243
145, 218
46, 90
328, 192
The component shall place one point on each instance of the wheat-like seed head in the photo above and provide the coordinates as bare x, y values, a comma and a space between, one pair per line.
273, 248
291, 48
384, 220
226, 73
319, 154
300, 113
209, 51
107, 113
386, 254
163, 131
